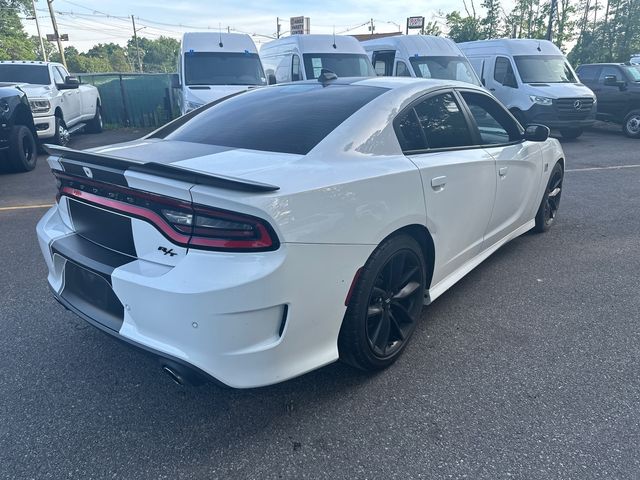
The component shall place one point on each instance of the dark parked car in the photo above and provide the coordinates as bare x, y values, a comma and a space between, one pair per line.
617, 87
18, 151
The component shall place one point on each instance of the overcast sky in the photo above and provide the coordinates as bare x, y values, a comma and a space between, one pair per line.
86, 24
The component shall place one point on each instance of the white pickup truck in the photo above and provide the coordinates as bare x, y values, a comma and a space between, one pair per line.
59, 103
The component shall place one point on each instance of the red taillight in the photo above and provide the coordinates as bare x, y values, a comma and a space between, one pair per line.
196, 226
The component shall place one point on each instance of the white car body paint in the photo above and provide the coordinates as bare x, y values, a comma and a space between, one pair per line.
222, 311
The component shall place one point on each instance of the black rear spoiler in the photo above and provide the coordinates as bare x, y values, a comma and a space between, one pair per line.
154, 168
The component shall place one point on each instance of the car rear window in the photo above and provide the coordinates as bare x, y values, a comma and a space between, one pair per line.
287, 119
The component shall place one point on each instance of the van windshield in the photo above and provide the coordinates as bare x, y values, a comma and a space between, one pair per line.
342, 64
27, 73
544, 69
223, 68
446, 68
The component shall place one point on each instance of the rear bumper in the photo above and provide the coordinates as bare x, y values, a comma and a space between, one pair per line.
246, 320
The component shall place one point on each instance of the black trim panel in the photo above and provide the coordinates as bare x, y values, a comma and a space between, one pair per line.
154, 168
100, 174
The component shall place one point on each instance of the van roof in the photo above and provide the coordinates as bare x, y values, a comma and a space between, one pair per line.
317, 44
210, 42
509, 46
412, 45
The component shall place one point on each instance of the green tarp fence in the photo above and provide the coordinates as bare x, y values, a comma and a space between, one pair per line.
134, 99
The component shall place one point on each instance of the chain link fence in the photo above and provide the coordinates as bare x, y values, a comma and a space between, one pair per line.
134, 99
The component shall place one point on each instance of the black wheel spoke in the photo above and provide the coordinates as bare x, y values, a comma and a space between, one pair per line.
381, 338
408, 290
374, 310
397, 326
405, 279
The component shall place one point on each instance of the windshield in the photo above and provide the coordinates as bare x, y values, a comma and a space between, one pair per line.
217, 68
446, 68
544, 69
342, 64
20, 73
634, 73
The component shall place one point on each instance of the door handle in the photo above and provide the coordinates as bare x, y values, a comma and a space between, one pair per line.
502, 171
438, 183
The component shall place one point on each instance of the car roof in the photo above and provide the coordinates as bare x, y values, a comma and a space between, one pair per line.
393, 83
604, 64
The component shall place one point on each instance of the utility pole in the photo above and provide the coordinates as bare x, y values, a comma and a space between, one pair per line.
135, 36
552, 12
372, 27
57, 33
277, 27
35, 16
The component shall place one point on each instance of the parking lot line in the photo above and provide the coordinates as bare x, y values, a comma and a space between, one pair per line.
590, 169
23, 207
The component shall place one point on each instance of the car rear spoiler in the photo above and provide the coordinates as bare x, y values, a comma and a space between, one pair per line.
154, 168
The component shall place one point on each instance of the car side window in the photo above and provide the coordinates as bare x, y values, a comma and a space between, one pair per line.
494, 124
443, 122
295, 69
409, 132
608, 70
588, 73
58, 79
503, 72
402, 70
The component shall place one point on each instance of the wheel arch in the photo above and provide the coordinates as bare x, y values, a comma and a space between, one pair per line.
23, 116
58, 113
420, 234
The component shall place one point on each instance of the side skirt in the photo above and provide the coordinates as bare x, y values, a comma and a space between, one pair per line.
446, 283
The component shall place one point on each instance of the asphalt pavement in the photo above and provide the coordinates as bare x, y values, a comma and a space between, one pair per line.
526, 369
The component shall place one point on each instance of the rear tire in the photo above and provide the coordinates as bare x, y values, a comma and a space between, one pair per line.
571, 133
550, 204
95, 124
23, 152
631, 124
385, 305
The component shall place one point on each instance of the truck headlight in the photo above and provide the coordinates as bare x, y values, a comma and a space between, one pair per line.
541, 100
192, 106
39, 106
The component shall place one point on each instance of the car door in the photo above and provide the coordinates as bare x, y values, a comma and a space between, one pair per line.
71, 98
518, 165
501, 80
611, 99
458, 181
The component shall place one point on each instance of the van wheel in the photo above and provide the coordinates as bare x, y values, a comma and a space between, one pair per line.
385, 305
95, 124
22, 149
631, 124
571, 133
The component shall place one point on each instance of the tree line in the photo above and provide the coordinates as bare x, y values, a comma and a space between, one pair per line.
587, 30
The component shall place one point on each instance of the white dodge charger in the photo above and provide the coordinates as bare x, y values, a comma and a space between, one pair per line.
276, 231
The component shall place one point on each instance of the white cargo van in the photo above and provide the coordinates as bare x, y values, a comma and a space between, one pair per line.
213, 65
424, 56
533, 79
303, 57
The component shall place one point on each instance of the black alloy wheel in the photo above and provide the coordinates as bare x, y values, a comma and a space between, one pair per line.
548, 210
385, 305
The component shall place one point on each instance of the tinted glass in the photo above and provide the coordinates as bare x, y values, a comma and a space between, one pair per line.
35, 74
494, 123
607, 71
402, 70
503, 72
342, 64
289, 119
213, 68
634, 73
295, 68
588, 73
409, 132
544, 69
443, 122
447, 68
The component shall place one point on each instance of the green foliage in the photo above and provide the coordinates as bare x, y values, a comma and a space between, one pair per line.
463, 29
15, 44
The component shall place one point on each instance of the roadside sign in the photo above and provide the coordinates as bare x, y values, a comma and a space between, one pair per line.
415, 22
299, 25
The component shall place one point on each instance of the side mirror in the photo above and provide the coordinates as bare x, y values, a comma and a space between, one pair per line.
271, 79
612, 81
175, 81
69, 83
536, 133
